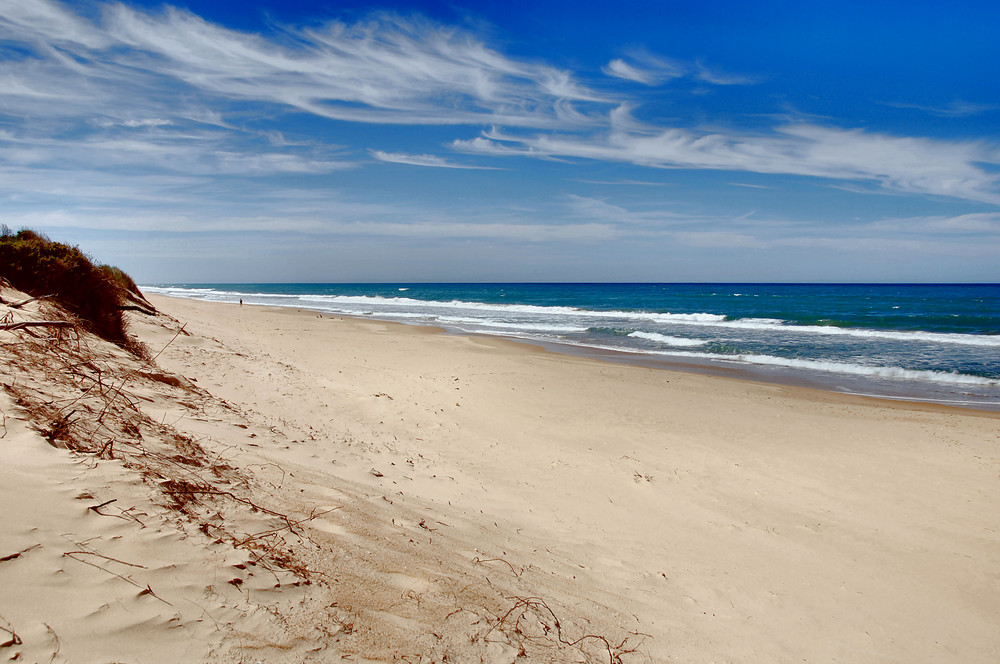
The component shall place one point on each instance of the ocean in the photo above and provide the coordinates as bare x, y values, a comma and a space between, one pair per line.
922, 342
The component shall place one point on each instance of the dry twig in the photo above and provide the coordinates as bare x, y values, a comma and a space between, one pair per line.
515, 621
153, 359
14, 639
35, 323
18, 305
18, 554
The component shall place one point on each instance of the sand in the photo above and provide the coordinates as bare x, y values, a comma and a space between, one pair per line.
435, 497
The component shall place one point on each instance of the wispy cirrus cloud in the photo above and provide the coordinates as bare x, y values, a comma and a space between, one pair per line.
911, 165
47, 23
649, 69
429, 160
204, 153
715, 76
978, 223
152, 205
386, 69
631, 183
647, 73
169, 91
133, 123
748, 185
587, 207
955, 109
976, 233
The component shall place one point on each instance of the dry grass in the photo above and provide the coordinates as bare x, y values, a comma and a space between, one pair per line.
80, 394
96, 295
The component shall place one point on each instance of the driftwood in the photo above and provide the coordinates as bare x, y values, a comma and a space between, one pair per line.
36, 323
18, 305
141, 310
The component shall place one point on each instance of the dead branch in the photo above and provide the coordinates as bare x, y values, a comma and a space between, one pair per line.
549, 621
110, 401
109, 451
132, 307
97, 508
58, 642
18, 305
14, 640
177, 334
208, 491
35, 323
143, 591
101, 555
275, 531
481, 561
18, 554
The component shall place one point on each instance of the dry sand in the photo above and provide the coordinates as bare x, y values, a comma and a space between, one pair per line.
431, 497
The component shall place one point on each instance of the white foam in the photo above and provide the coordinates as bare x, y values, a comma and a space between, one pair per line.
398, 306
898, 373
693, 319
511, 308
815, 365
862, 370
668, 340
506, 325
767, 324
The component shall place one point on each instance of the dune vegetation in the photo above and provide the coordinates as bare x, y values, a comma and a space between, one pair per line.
97, 295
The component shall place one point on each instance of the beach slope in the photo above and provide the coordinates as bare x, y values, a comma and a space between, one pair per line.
415, 495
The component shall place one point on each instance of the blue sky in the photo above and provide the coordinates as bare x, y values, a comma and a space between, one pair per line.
209, 141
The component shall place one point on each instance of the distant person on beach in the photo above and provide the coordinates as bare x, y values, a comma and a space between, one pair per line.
241, 301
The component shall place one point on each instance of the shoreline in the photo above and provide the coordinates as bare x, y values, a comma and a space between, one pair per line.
917, 392
770, 376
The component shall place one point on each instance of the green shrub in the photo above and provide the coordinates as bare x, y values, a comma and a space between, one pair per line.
93, 293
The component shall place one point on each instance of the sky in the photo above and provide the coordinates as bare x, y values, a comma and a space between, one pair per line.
424, 141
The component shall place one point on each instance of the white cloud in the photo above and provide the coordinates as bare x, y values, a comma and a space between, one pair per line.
480, 230
422, 160
384, 70
718, 240
45, 20
133, 123
586, 207
698, 230
338, 219
912, 165
715, 76
955, 109
648, 69
979, 223
634, 183
193, 153
622, 69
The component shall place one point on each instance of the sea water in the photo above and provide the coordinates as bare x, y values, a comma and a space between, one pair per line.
937, 342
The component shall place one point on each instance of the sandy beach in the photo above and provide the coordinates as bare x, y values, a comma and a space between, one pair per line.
369, 491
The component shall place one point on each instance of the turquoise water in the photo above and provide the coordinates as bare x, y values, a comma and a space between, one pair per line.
934, 342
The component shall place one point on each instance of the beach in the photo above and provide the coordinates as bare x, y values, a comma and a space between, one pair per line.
468, 498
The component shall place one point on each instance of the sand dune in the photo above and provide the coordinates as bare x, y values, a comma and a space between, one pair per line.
376, 492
